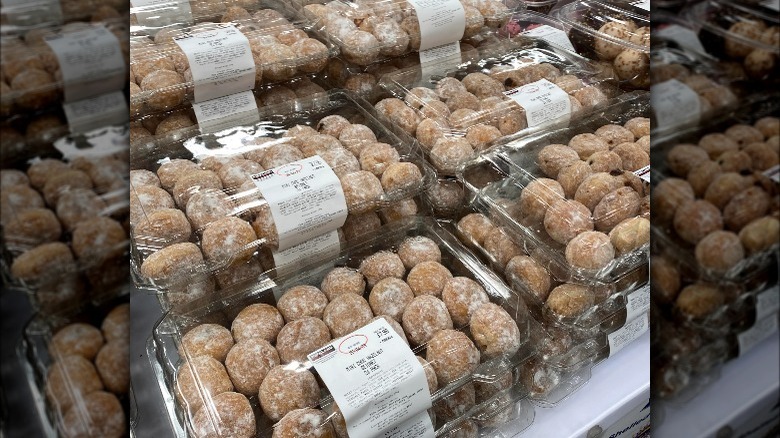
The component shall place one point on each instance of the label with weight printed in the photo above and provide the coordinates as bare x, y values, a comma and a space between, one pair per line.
628, 334
220, 60
441, 21
543, 102
226, 112
438, 60
153, 15
326, 247
768, 302
638, 302
305, 198
91, 62
552, 35
674, 104
89, 114
683, 36
378, 383
761, 330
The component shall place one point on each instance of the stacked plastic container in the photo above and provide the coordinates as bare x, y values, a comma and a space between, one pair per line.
586, 290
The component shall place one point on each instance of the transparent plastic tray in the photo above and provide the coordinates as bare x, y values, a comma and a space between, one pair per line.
243, 197
418, 109
282, 46
31, 70
35, 16
164, 16
740, 32
393, 25
63, 234
79, 400
612, 32
719, 90
498, 180
167, 353
684, 172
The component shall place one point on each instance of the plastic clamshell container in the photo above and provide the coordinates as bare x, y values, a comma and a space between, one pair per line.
717, 88
48, 203
539, 6
736, 31
497, 180
669, 161
340, 20
23, 17
164, 16
167, 355
277, 133
53, 401
32, 72
612, 33
512, 65
282, 47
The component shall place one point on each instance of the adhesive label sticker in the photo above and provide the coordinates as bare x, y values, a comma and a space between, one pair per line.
220, 60
543, 102
378, 383
305, 198
91, 62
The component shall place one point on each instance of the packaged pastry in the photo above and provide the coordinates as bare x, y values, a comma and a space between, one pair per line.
33, 19
52, 67
190, 194
79, 370
468, 364
456, 113
611, 32
578, 194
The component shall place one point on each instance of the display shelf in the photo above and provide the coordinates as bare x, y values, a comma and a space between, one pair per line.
743, 402
616, 389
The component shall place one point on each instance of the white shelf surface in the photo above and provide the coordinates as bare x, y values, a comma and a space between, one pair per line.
745, 397
616, 388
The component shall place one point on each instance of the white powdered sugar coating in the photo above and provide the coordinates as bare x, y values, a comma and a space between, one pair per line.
302, 301
417, 249
381, 265
390, 296
463, 296
300, 337
494, 331
423, 317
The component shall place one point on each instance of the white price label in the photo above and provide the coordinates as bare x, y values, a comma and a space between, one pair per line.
220, 60
441, 21
552, 35
326, 246
674, 104
306, 200
773, 173
638, 303
642, 4
629, 333
377, 382
683, 36
438, 60
22, 13
153, 15
226, 112
643, 173
98, 143
761, 330
89, 114
91, 62
771, 4
543, 102
767, 302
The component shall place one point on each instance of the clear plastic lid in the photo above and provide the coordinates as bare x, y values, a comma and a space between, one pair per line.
32, 17
714, 199
611, 32
474, 381
563, 191
281, 46
186, 187
77, 366
34, 79
367, 32
64, 238
739, 32
456, 113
